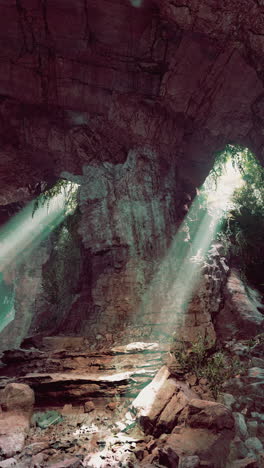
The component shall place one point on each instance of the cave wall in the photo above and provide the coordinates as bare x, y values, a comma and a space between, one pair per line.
86, 81
132, 104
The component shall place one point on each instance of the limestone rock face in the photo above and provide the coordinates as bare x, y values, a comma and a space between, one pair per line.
240, 317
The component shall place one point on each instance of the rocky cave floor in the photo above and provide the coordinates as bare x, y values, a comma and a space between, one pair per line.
127, 407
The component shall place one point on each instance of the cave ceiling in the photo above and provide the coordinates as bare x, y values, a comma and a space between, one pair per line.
84, 81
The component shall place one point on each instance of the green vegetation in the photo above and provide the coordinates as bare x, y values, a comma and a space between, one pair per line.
257, 340
243, 225
205, 362
62, 187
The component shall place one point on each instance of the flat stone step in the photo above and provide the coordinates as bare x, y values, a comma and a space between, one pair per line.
73, 375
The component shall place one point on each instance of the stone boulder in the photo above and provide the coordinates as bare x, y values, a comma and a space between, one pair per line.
17, 397
173, 410
153, 398
189, 462
159, 405
210, 447
89, 406
210, 415
9, 463
240, 425
14, 428
168, 418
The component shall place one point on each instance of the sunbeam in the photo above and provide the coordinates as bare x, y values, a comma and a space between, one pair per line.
21, 236
165, 303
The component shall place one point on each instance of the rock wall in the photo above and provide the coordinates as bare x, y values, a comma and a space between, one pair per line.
128, 215
131, 103
91, 80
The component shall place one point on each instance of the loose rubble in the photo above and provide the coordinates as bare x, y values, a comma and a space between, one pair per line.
169, 423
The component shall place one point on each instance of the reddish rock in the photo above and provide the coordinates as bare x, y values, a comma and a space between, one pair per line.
173, 410
67, 409
210, 447
89, 406
153, 398
112, 406
14, 428
68, 463
210, 415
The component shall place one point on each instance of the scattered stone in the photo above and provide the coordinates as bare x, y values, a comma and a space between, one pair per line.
121, 426
254, 444
227, 399
192, 379
16, 396
189, 462
35, 448
39, 459
68, 463
203, 381
112, 406
9, 463
240, 425
238, 449
209, 414
89, 406
252, 428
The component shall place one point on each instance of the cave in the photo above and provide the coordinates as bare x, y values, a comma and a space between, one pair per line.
131, 245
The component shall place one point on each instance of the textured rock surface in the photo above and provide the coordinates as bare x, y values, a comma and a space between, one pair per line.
241, 315
211, 448
17, 397
13, 431
71, 375
133, 114
173, 77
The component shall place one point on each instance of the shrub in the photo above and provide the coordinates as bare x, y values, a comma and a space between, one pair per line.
203, 361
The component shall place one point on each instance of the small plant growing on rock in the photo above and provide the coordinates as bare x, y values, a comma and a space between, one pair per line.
205, 362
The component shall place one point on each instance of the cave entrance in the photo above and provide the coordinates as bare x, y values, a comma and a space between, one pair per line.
225, 213
243, 223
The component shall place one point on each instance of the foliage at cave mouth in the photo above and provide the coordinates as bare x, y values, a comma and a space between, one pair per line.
243, 224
